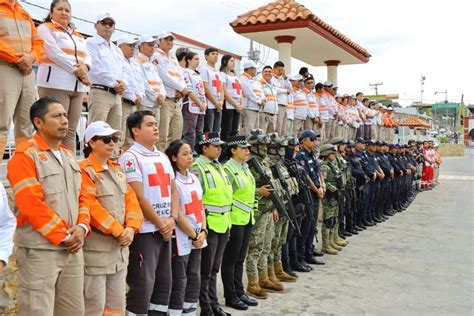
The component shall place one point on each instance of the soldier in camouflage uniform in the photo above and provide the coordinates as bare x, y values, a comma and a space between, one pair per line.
276, 152
263, 230
332, 177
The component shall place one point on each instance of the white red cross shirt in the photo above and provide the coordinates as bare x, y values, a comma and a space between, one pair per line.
190, 196
212, 76
194, 83
153, 169
234, 87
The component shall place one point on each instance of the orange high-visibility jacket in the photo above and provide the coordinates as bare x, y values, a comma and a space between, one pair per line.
112, 202
46, 194
17, 33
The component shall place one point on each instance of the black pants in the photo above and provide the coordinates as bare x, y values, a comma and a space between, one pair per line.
230, 123
210, 263
290, 249
212, 121
367, 132
233, 260
305, 243
149, 275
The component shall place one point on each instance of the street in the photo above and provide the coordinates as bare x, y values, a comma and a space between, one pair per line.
420, 262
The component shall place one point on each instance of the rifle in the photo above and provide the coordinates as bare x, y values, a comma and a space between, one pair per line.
277, 202
291, 213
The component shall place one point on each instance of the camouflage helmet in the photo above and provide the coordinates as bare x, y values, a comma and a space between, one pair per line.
292, 141
327, 149
277, 140
257, 137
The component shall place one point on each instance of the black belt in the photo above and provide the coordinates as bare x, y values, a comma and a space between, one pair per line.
103, 88
128, 102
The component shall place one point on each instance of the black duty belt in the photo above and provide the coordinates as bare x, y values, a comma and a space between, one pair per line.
103, 88
129, 102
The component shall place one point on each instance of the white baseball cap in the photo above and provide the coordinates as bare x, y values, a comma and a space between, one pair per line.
105, 15
126, 39
99, 128
145, 39
327, 84
248, 64
296, 77
165, 35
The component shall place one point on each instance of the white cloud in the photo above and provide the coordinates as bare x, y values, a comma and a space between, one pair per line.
406, 38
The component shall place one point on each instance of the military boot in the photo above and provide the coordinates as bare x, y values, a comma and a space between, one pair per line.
338, 240
282, 275
327, 248
272, 277
253, 289
266, 284
332, 240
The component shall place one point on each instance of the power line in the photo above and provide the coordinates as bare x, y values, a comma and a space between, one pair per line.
79, 19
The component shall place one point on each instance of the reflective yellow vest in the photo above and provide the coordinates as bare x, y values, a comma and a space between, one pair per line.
244, 197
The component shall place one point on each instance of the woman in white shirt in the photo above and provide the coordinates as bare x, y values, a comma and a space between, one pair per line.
7, 228
63, 69
195, 104
190, 234
233, 104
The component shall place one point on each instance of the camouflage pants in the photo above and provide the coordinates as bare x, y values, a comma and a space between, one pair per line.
330, 208
278, 241
260, 243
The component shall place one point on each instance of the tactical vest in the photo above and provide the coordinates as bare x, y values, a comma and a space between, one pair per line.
217, 197
244, 197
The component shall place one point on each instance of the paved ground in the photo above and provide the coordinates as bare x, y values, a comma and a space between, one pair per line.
420, 262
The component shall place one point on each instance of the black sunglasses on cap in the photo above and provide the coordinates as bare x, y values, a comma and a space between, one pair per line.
107, 139
107, 23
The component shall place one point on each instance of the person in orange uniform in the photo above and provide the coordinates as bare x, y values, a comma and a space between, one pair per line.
115, 218
52, 221
20, 48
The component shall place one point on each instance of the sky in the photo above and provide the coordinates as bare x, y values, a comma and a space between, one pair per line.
406, 38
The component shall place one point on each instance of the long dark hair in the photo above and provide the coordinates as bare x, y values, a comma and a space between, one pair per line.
51, 8
173, 150
224, 61
87, 150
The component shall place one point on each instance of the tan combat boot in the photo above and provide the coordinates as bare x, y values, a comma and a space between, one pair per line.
266, 284
339, 240
272, 277
282, 275
253, 289
332, 240
327, 248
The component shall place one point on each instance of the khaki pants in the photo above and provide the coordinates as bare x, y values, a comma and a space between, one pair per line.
308, 124
249, 121
105, 106
126, 141
330, 130
105, 294
327, 131
289, 127
171, 124
267, 122
339, 131
281, 121
51, 282
17, 94
298, 126
72, 102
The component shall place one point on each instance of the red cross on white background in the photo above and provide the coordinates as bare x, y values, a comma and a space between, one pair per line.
161, 179
195, 207
236, 85
216, 83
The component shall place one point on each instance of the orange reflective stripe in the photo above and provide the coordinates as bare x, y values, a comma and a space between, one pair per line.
312, 104
174, 74
73, 52
113, 312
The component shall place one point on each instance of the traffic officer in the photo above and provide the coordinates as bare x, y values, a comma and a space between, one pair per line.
262, 233
52, 222
115, 218
307, 157
242, 217
20, 48
217, 200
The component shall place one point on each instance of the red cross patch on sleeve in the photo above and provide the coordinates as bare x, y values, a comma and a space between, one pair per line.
129, 166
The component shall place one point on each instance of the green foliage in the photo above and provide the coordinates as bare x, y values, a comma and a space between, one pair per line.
443, 139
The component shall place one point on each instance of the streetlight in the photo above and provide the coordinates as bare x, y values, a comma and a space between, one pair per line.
421, 91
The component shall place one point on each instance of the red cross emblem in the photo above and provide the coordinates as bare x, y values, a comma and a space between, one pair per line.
129, 164
195, 207
216, 83
161, 179
236, 85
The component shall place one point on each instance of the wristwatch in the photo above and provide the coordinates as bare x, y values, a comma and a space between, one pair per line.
195, 238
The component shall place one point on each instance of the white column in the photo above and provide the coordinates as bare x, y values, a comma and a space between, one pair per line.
332, 70
284, 50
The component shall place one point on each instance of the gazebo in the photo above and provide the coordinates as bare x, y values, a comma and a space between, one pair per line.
296, 32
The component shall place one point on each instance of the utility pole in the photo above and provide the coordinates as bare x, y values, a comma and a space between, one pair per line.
376, 86
253, 54
421, 92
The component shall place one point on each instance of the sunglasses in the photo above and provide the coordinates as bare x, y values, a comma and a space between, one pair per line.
104, 23
107, 139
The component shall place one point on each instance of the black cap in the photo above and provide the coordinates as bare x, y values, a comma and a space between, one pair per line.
240, 141
360, 140
309, 134
370, 142
350, 144
212, 138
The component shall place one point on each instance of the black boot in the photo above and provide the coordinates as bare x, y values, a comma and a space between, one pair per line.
287, 268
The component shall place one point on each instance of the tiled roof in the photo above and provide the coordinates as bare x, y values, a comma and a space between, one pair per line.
289, 10
413, 121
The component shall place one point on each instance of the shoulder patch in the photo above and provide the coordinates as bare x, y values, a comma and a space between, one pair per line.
129, 166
